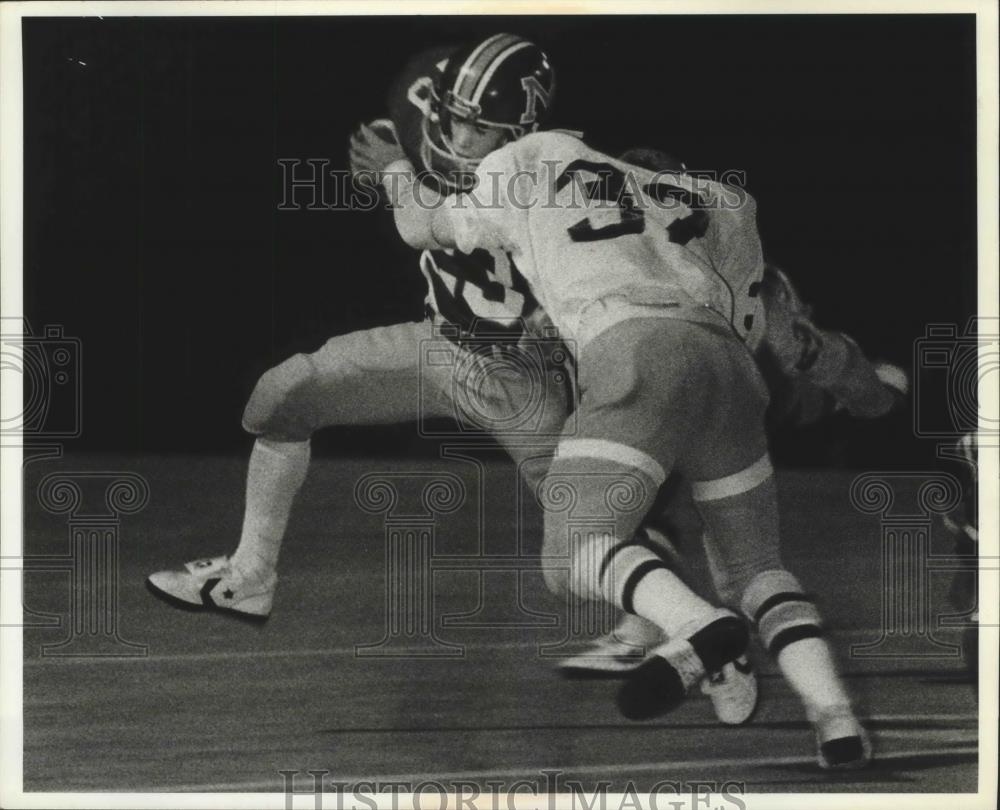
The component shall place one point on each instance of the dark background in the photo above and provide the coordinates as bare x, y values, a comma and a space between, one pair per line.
151, 190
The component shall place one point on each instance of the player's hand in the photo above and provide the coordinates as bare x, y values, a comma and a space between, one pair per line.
537, 324
373, 147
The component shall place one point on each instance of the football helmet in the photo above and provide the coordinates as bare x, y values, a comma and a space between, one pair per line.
503, 82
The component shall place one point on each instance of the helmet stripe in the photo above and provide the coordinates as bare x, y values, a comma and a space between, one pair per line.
478, 61
500, 59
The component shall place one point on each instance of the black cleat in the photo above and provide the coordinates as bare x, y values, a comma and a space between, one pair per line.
661, 682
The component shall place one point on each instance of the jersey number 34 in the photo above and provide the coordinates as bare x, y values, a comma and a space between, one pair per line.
610, 187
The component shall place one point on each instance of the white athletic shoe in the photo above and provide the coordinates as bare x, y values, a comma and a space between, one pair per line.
213, 584
841, 741
616, 654
733, 692
607, 657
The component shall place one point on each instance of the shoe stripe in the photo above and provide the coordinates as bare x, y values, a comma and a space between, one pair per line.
206, 591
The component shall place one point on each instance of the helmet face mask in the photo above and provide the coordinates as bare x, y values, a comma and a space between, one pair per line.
441, 157
454, 108
477, 137
502, 84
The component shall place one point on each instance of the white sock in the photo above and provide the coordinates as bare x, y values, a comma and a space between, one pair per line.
810, 670
662, 597
659, 595
275, 474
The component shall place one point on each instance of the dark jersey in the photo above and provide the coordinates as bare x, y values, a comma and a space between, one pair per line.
482, 293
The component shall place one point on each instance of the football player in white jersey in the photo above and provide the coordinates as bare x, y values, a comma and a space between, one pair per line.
447, 110
655, 283
811, 373
346, 382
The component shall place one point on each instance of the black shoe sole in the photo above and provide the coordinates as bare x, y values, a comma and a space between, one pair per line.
173, 601
587, 674
653, 689
846, 753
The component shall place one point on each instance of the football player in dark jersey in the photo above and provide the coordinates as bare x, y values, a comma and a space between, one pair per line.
447, 112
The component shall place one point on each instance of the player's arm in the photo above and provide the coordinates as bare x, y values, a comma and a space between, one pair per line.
420, 211
479, 218
831, 361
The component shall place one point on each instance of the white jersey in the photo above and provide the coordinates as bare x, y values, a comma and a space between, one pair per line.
600, 241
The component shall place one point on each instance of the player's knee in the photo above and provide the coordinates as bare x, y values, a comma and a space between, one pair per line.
740, 513
590, 559
555, 556
572, 564
728, 592
271, 412
736, 577
782, 611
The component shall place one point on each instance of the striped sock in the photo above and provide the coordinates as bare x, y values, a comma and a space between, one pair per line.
790, 628
639, 581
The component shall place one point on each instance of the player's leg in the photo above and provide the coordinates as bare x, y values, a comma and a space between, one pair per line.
747, 571
742, 546
665, 530
371, 377
620, 651
635, 381
740, 512
733, 689
712, 429
368, 377
523, 394
594, 496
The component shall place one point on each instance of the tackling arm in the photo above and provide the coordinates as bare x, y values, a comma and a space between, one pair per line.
421, 213
477, 218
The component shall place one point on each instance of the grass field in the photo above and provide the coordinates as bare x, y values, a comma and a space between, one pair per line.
218, 705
